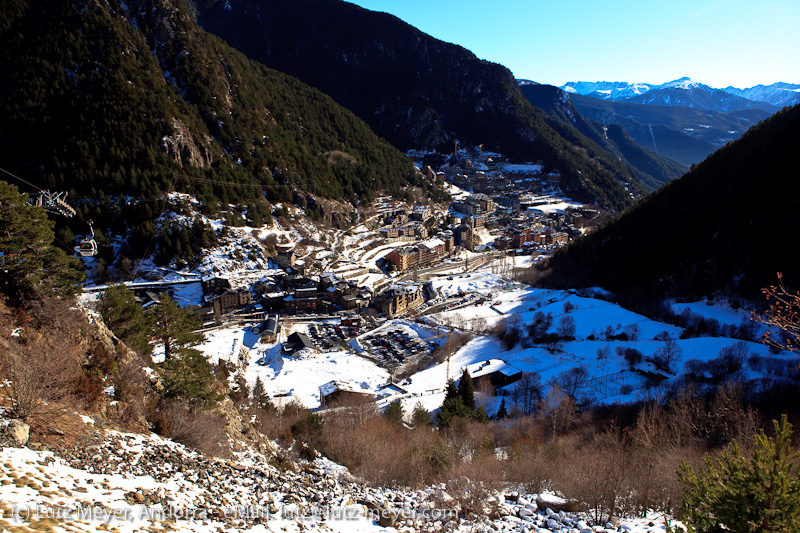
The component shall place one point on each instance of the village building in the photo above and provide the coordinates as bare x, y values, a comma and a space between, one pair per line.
421, 214
215, 284
286, 258
474, 204
400, 298
339, 393
228, 302
269, 329
298, 341
463, 236
493, 373
448, 240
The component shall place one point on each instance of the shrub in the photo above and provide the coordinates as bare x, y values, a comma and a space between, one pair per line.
755, 362
194, 427
736, 494
733, 357
41, 373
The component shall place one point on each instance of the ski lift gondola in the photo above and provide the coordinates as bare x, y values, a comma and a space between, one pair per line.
87, 247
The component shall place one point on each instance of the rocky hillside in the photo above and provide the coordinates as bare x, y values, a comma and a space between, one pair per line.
133, 481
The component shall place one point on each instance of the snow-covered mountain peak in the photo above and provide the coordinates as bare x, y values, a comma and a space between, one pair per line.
683, 83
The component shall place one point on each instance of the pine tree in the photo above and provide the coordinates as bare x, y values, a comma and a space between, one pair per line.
394, 412
175, 327
420, 416
260, 396
466, 390
189, 377
30, 266
761, 494
125, 317
452, 407
501, 412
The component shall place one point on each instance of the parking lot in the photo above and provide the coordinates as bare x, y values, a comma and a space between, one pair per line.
395, 347
326, 336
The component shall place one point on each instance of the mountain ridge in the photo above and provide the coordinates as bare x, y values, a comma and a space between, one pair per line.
414, 90
725, 227
562, 114
766, 97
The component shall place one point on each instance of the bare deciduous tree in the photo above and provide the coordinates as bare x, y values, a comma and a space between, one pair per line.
783, 313
39, 373
566, 327
666, 355
633, 331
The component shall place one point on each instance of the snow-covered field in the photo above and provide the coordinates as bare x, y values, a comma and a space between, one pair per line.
299, 377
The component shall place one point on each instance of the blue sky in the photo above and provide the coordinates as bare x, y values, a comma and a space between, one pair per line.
717, 42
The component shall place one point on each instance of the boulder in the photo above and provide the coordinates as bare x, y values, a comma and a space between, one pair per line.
19, 432
557, 504
387, 517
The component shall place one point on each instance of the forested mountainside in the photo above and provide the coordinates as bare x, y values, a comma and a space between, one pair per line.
686, 134
110, 100
727, 226
414, 90
652, 169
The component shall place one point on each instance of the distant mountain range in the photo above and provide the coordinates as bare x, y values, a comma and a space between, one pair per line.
689, 93
683, 119
562, 115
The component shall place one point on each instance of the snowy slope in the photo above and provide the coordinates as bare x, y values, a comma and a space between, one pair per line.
128, 483
777, 94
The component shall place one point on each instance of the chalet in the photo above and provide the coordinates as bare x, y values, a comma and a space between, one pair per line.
337, 393
215, 284
296, 281
494, 373
146, 298
296, 342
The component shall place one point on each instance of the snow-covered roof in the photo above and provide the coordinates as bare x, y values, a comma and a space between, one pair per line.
492, 366
330, 387
432, 243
